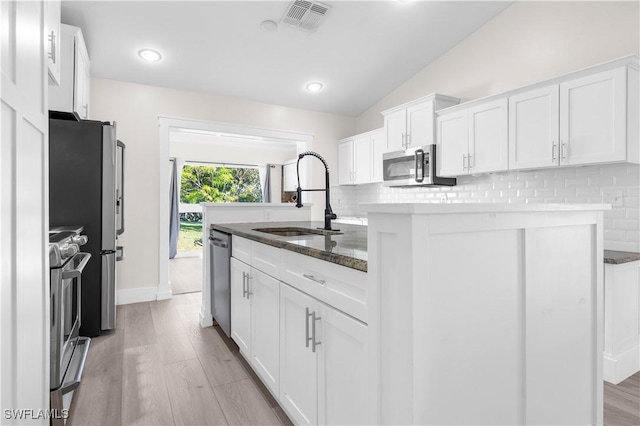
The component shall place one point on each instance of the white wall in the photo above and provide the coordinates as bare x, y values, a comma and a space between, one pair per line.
529, 42
136, 108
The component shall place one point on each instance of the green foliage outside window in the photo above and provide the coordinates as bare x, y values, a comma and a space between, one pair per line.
219, 185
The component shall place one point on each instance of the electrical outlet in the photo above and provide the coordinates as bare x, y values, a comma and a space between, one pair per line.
615, 198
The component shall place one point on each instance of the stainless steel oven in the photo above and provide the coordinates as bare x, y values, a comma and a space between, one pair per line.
413, 167
68, 348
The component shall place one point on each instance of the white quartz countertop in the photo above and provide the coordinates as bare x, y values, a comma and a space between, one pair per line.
448, 208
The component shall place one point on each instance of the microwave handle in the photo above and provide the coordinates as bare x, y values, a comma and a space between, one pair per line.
419, 157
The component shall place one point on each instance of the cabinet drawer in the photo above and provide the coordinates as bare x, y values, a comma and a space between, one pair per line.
338, 286
266, 258
241, 249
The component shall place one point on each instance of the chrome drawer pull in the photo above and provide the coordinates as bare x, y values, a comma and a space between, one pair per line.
306, 327
312, 278
314, 343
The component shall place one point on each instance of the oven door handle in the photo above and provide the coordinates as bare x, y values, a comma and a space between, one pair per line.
419, 157
75, 273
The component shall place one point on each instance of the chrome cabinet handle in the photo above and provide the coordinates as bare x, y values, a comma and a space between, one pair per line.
312, 278
464, 162
404, 140
306, 328
563, 149
469, 166
553, 150
244, 285
52, 45
408, 140
249, 278
314, 342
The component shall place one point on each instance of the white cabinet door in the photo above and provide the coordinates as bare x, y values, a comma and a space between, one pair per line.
24, 210
342, 369
378, 147
396, 127
560, 313
240, 307
452, 149
420, 124
289, 176
298, 364
488, 146
534, 128
53, 39
264, 292
345, 163
593, 118
362, 159
82, 79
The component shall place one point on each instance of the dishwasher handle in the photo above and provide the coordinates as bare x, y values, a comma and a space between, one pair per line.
219, 242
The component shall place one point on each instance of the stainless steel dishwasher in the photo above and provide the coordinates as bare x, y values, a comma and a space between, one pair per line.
219, 259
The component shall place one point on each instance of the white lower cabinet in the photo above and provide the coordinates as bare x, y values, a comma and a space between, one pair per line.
265, 329
255, 320
299, 372
240, 306
297, 337
323, 362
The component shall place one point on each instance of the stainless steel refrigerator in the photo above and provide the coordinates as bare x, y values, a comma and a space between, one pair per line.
86, 177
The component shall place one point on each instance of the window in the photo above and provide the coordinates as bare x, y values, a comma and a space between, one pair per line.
220, 184
211, 183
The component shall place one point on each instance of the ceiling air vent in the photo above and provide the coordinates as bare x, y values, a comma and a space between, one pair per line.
305, 15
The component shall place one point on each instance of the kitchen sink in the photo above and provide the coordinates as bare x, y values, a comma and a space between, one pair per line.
296, 232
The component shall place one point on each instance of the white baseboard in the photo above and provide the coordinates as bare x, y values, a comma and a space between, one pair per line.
205, 321
136, 295
622, 366
163, 295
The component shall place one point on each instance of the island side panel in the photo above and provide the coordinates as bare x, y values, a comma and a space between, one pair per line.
390, 334
467, 304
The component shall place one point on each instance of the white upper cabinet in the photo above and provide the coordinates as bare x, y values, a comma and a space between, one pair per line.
345, 162
579, 121
289, 176
451, 152
360, 158
488, 148
72, 94
378, 147
52, 9
533, 129
593, 119
473, 140
412, 123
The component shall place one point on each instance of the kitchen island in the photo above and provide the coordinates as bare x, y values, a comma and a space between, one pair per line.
485, 313
467, 314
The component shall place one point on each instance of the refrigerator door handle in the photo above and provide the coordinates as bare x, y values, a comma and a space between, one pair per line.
108, 292
120, 147
108, 188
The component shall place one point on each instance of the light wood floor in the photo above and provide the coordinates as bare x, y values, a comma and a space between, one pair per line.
622, 402
185, 274
160, 368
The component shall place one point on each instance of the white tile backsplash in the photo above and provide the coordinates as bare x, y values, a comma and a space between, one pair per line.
587, 184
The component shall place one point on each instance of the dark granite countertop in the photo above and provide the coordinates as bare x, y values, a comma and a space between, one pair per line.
347, 249
615, 257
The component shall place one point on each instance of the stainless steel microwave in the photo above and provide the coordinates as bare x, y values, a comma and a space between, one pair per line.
413, 167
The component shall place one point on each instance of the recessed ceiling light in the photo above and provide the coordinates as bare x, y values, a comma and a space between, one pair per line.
149, 55
314, 87
268, 25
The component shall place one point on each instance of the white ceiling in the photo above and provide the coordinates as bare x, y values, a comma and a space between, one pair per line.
362, 51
